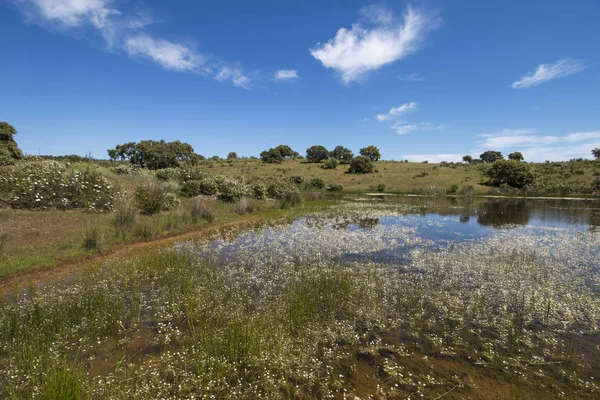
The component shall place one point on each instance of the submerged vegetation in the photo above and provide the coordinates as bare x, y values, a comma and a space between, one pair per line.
314, 310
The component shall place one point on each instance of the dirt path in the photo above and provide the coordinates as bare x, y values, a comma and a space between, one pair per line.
64, 269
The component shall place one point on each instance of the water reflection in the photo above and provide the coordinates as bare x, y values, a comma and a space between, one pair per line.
506, 213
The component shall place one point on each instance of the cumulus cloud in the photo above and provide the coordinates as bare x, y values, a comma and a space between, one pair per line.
375, 41
126, 32
547, 72
539, 147
285, 75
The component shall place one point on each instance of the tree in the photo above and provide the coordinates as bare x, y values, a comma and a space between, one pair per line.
491, 156
232, 155
516, 156
152, 154
510, 172
372, 152
342, 154
317, 154
271, 156
361, 165
467, 159
596, 153
286, 151
9, 151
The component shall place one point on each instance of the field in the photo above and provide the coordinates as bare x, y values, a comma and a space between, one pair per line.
400, 177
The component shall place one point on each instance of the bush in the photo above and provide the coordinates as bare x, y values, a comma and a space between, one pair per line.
259, 189
152, 199
510, 172
421, 174
330, 163
290, 199
381, 187
125, 169
232, 190
334, 187
271, 156
167, 174
278, 188
453, 189
316, 183
361, 165
298, 180
52, 184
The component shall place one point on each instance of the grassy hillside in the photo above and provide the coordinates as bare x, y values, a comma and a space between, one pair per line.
401, 177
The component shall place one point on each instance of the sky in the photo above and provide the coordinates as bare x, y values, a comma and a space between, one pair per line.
424, 80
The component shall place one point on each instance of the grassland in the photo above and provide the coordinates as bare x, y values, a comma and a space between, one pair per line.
415, 178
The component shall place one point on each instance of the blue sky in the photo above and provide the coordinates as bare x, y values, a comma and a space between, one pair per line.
428, 80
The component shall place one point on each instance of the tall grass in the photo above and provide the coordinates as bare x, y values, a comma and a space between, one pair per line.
92, 238
125, 217
202, 209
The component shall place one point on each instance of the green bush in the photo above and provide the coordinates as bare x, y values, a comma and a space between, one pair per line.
453, 189
334, 187
152, 199
166, 174
510, 172
316, 183
52, 184
361, 165
259, 189
330, 163
233, 190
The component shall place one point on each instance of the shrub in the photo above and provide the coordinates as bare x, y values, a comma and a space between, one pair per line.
278, 188
166, 174
466, 191
453, 189
330, 163
290, 199
259, 189
317, 183
232, 155
298, 180
232, 190
361, 165
334, 187
381, 187
421, 174
510, 172
125, 169
152, 199
52, 184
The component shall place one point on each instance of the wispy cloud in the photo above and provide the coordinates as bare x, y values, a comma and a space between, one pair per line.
547, 72
414, 77
125, 31
395, 112
169, 55
285, 75
539, 147
378, 39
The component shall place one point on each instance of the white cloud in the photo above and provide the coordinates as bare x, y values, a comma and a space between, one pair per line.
537, 147
404, 129
169, 55
236, 75
414, 77
125, 31
395, 112
73, 13
355, 52
547, 72
285, 75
